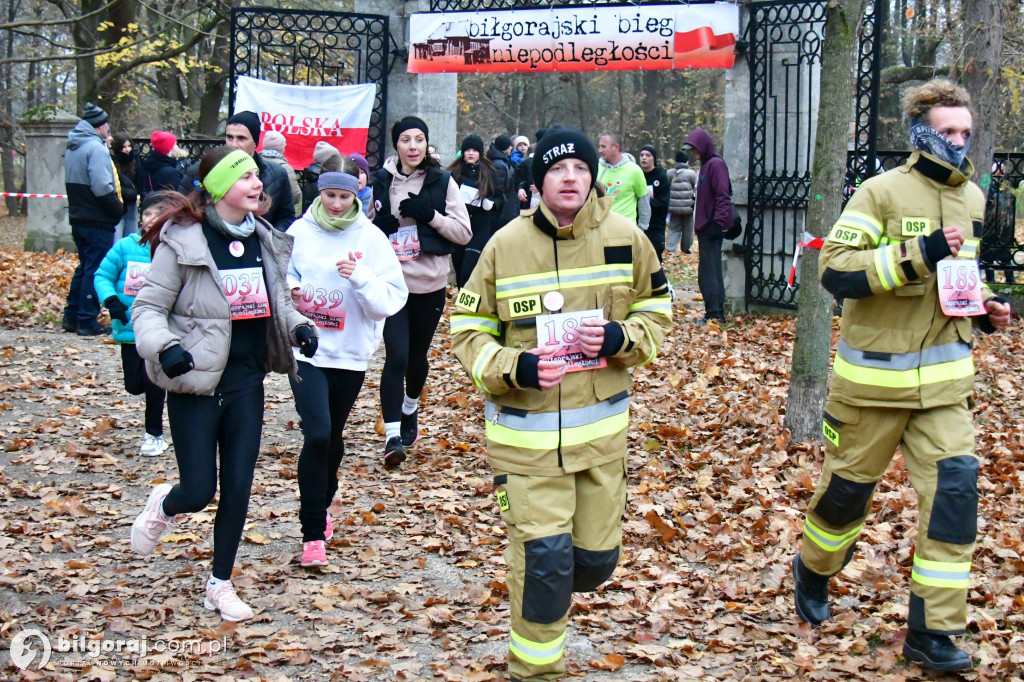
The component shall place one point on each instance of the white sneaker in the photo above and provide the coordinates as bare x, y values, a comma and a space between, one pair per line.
152, 445
152, 522
223, 598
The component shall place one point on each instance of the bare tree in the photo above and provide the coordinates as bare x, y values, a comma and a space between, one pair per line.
808, 379
981, 74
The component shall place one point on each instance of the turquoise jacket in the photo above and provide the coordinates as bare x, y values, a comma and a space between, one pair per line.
110, 276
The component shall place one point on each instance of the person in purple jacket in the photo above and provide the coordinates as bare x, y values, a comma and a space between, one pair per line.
712, 215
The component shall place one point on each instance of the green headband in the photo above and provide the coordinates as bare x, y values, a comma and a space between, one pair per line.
220, 178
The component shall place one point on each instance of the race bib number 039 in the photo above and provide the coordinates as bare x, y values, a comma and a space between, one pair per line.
325, 308
562, 329
406, 243
246, 292
959, 283
134, 277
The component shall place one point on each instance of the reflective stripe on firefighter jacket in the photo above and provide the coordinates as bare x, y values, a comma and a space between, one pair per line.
601, 261
897, 347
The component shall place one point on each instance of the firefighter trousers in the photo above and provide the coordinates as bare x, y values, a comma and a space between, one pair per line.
938, 449
564, 534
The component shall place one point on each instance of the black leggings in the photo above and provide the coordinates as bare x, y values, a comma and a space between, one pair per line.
324, 397
201, 425
137, 382
407, 337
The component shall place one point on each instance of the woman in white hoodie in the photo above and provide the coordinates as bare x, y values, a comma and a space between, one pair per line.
346, 278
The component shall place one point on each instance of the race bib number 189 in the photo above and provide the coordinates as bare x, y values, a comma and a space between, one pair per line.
246, 292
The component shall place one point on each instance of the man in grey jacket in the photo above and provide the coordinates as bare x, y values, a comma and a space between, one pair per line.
682, 183
94, 210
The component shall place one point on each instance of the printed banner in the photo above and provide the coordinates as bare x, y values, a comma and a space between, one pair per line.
306, 114
575, 39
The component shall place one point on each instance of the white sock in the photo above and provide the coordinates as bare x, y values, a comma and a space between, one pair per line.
214, 582
409, 405
392, 430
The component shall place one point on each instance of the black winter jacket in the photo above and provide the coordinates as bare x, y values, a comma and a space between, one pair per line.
161, 172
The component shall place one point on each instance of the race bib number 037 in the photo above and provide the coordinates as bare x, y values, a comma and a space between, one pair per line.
246, 292
562, 329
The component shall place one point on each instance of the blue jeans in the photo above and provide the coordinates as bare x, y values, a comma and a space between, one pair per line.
92, 243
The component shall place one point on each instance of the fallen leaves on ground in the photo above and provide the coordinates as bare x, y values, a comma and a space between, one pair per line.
415, 587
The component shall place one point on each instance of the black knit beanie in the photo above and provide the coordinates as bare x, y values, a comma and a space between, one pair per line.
650, 148
250, 120
563, 143
472, 142
502, 142
93, 115
408, 123
539, 134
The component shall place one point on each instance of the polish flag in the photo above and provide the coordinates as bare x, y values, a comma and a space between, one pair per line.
307, 114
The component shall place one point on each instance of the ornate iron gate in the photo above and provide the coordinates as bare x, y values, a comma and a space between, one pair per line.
784, 55
315, 48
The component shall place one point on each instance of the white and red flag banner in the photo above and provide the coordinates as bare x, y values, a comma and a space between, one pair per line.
580, 38
306, 114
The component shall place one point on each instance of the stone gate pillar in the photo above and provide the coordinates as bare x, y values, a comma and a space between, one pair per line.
736, 152
46, 138
432, 97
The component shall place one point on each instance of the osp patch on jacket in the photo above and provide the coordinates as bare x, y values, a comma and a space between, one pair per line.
467, 300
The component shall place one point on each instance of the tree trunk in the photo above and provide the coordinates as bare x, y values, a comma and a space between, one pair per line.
808, 379
83, 34
216, 82
981, 75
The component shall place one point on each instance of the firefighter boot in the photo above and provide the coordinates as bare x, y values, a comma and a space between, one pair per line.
811, 593
935, 652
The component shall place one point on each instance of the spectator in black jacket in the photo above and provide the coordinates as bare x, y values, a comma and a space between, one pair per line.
94, 210
125, 162
658, 190
243, 132
311, 173
161, 171
508, 208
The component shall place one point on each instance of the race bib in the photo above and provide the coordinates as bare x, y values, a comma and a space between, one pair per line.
562, 329
134, 277
324, 307
406, 243
246, 292
469, 194
959, 281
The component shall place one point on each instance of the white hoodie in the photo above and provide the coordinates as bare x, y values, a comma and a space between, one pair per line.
375, 290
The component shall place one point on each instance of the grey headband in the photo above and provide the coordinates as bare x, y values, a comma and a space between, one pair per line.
338, 180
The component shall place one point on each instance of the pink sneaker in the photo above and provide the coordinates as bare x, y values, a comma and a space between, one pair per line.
329, 528
314, 554
223, 598
151, 523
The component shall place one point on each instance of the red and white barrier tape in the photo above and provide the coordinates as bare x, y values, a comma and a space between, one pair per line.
809, 242
33, 196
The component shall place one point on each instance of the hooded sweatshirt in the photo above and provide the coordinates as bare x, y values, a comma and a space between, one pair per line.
428, 272
714, 202
89, 180
375, 290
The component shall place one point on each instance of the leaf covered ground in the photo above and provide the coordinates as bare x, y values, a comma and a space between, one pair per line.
414, 590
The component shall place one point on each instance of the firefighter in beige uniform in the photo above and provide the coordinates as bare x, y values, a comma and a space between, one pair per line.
556, 437
903, 373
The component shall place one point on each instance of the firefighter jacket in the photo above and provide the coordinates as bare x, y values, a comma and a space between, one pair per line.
896, 346
601, 261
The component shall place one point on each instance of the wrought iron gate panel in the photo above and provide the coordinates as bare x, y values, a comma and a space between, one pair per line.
785, 55
315, 48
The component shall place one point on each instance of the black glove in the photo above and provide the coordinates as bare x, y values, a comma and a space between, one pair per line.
614, 338
176, 361
117, 309
416, 206
936, 247
387, 222
307, 340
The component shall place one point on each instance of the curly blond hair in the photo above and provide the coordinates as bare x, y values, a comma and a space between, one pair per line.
939, 92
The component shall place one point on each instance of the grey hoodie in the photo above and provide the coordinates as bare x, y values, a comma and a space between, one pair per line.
90, 181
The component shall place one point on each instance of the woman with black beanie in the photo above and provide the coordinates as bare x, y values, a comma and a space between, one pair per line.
419, 207
475, 175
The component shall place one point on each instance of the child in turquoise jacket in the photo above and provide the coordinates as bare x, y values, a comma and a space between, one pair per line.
117, 282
